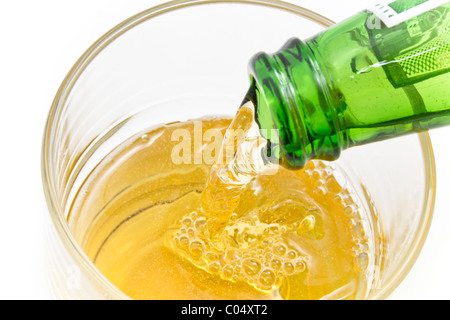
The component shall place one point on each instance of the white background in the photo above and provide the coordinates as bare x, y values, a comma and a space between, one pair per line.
39, 42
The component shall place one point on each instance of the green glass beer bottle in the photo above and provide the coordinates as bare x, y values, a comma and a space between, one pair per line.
380, 74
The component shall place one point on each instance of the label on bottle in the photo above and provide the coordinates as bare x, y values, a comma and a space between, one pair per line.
395, 12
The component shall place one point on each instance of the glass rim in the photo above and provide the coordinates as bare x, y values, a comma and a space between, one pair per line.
57, 213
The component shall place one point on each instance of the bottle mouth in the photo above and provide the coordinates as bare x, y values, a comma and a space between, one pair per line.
275, 111
292, 97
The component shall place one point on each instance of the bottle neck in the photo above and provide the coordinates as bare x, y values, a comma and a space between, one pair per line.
358, 82
292, 98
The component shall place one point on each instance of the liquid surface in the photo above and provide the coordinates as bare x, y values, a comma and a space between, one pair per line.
147, 223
